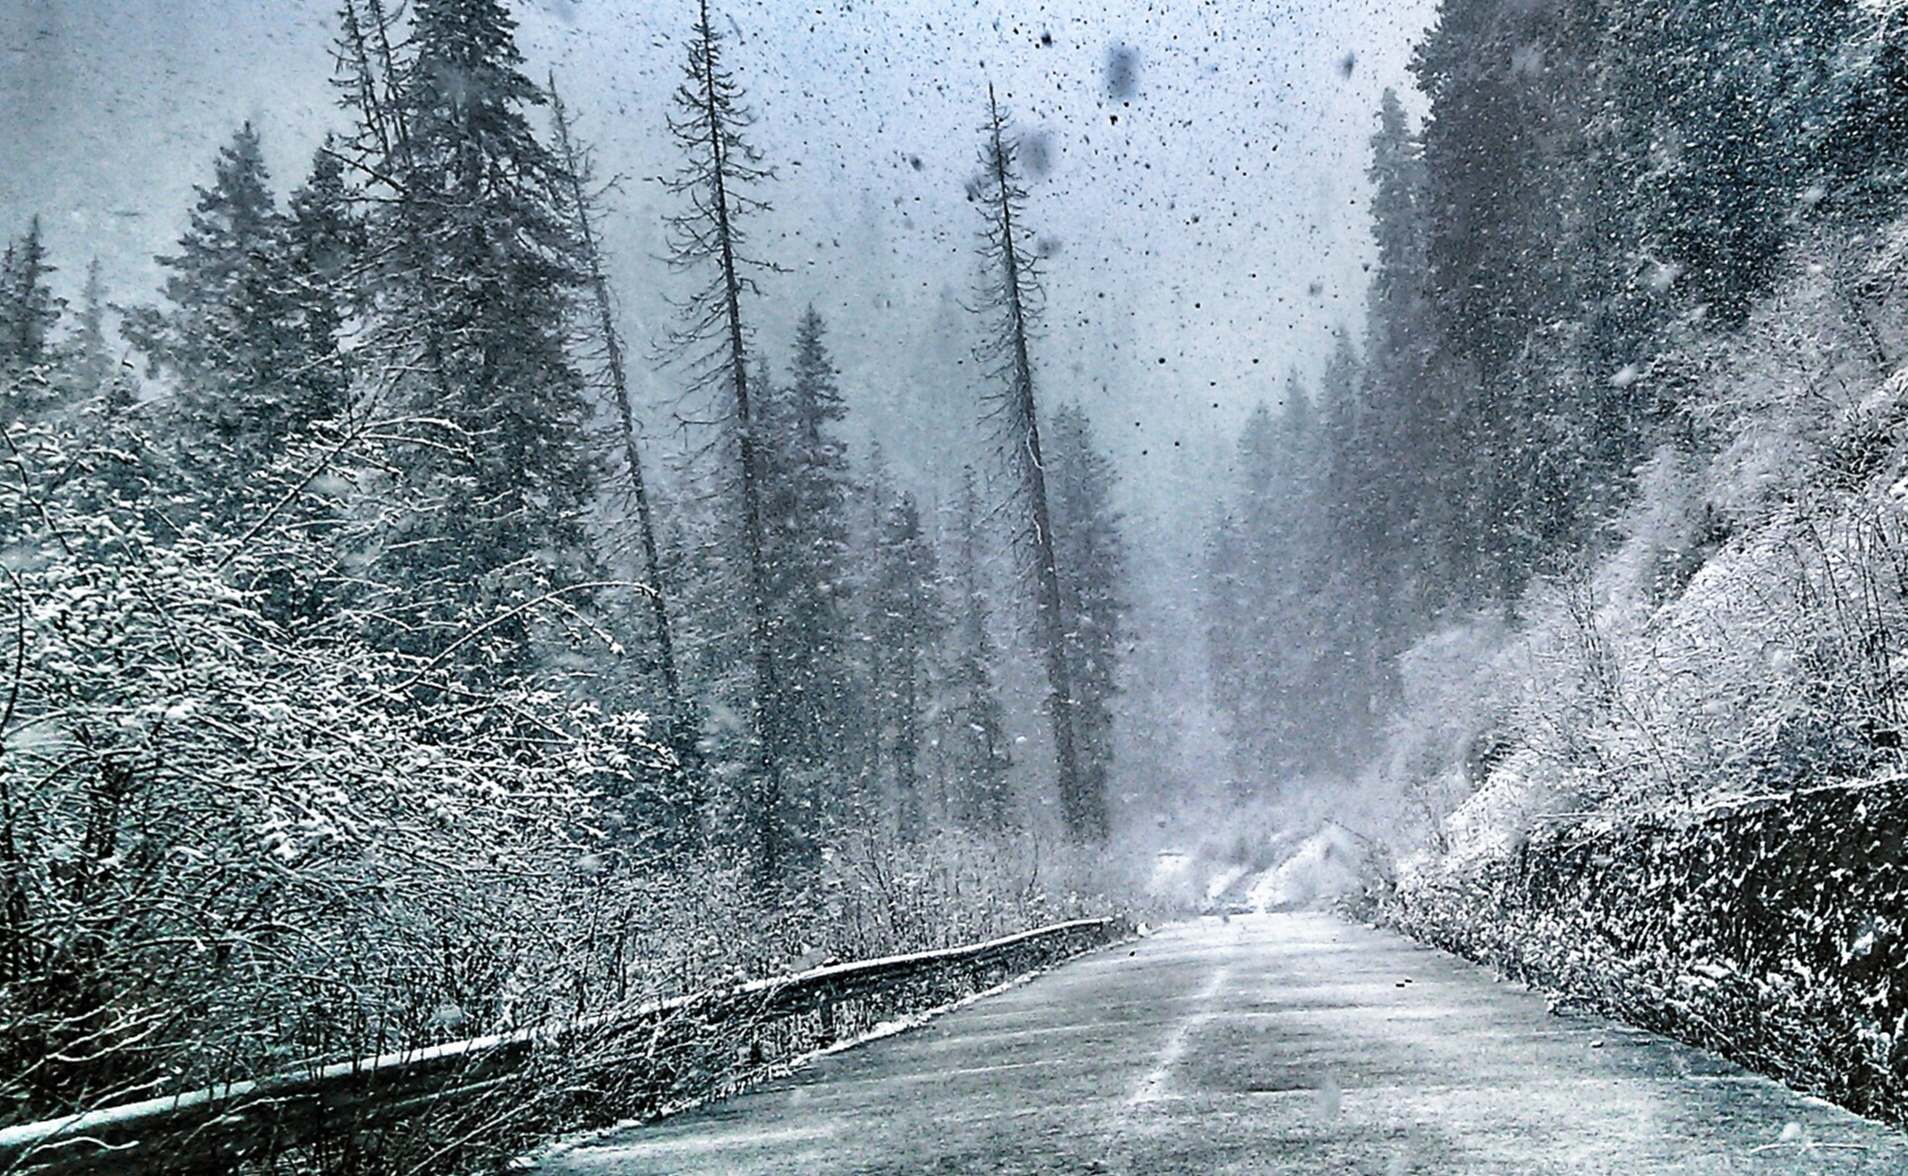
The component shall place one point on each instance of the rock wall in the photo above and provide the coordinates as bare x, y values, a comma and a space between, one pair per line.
1773, 931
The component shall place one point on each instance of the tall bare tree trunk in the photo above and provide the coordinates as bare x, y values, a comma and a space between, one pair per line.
682, 728
1083, 813
766, 709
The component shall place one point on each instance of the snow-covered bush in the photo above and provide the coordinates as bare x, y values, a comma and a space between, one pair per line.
1744, 629
228, 844
880, 895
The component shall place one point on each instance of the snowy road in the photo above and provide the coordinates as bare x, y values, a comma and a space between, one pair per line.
1270, 1044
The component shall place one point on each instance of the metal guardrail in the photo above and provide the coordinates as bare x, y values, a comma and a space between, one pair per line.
437, 1106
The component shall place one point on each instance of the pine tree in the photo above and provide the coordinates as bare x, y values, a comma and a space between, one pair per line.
1292, 559
250, 369
1092, 555
1238, 609
719, 168
477, 268
367, 76
29, 310
29, 315
1224, 608
90, 370
122, 462
1271, 629
905, 620
126, 464
1010, 302
316, 277
1403, 465
978, 756
1354, 586
1495, 183
325, 250
1866, 127
806, 537
1740, 87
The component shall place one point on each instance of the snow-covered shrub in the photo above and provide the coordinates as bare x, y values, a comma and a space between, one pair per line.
1447, 731
881, 895
229, 844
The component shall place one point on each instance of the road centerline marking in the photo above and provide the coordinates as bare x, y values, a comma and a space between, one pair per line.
1157, 1081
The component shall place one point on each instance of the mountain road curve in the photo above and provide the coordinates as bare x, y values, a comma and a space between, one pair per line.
1273, 1044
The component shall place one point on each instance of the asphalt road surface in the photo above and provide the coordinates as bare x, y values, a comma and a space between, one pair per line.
1284, 1043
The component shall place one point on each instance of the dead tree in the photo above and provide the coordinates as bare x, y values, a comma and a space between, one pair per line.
719, 168
1010, 304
